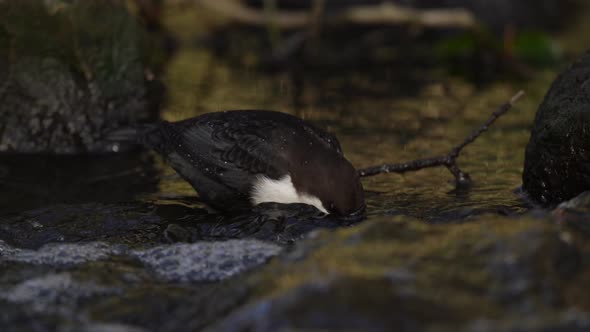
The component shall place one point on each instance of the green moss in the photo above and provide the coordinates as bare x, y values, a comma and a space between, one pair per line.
98, 40
466, 268
537, 48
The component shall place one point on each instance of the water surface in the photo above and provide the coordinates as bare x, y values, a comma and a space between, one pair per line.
375, 122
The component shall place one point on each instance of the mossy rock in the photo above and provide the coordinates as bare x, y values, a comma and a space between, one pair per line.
69, 71
404, 275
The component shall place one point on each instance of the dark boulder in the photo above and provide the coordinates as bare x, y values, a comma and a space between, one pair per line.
557, 160
69, 71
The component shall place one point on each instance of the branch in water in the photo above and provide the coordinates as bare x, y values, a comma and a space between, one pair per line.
449, 160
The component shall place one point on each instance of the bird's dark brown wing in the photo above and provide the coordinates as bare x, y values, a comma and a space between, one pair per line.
221, 154
212, 148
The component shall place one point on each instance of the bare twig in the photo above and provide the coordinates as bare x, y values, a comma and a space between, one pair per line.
386, 13
449, 160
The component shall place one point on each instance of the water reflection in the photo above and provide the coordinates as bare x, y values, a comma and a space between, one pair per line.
31, 181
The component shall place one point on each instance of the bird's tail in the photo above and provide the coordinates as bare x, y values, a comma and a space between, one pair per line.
127, 137
152, 136
133, 134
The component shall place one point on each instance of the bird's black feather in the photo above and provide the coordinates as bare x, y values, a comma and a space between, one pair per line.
222, 153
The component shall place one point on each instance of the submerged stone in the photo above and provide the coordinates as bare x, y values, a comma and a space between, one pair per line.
201, 261
136, 225
59, 254
207, 261
53, 292
557, 162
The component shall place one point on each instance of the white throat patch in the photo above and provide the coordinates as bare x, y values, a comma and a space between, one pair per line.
281, 191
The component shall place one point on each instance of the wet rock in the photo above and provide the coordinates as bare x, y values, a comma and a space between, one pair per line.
134, 224
111, 299
16, 318
70, 287
341, 304
569, 321
187, 307
557, 162
492, 273
6, 250
52, 293
145, 225
51, 302
408, 276
580, 203
102, 327
575, 213
513, 277
70, 71
202, 261
206, 261
59, 254
279, 223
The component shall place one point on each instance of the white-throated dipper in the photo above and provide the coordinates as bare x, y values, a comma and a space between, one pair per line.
237, 159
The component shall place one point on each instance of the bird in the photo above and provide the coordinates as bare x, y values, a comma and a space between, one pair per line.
241, 158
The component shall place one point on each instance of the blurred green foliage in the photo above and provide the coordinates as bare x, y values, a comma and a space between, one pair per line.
462, 44
536, 48
531, 47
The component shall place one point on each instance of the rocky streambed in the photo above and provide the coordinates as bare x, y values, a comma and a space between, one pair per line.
492, 273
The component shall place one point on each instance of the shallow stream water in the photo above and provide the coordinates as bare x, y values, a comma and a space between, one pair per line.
375, 121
